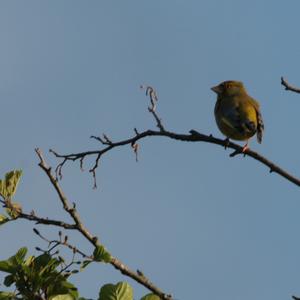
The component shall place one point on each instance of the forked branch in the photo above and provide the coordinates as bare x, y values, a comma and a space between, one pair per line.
192, 136
289, 87
71, 210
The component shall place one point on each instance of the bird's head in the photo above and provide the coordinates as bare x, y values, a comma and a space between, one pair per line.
229, 88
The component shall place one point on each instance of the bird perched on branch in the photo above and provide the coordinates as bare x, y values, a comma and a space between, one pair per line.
237, 114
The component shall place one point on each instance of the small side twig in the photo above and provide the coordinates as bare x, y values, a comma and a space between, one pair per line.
135, 148
46, 221
152, 109
162, 132
62, 242
39, 220
71, 210
194, 136
289, 87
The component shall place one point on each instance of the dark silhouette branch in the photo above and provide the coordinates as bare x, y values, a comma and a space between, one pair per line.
45, 221
109, 144
288, 87
62, 241
193, 136
71, 210
38, 220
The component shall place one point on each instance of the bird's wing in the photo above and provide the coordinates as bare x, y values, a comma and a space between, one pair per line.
237, 118
260, 126
260, 122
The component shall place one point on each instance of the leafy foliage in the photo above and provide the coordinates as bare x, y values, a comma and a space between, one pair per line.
3, 219
13, 209
36, 277
8, 185
101, 254
7, 296
119, 291
61, 297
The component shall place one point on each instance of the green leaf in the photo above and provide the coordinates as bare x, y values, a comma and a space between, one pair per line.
62, 297
29, 261
150, 297
3, 219
20, 255
18, 259
9, 280
101, 254
119, 291
14, 209
84, 264
45, 264
41, 261
60, 286
10, 265
8, 185
7, 296
6, 266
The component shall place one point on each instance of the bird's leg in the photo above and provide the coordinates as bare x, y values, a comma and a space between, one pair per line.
226, 141
246, 147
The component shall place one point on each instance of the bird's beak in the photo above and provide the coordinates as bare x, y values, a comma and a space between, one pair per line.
216, 89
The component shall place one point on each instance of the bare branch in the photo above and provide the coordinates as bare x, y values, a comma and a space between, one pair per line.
71, 210
107, 140
38, 220
62, 242
194, 136
141, 278
108, 144
46, 221
288, 87
152, 109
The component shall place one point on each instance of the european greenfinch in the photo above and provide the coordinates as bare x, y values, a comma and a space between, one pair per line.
237, 114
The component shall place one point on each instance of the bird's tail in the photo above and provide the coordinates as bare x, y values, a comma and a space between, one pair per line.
260, 127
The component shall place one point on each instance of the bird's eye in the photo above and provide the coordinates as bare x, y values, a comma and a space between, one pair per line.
228, 85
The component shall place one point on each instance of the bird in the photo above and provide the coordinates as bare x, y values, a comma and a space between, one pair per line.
237, 114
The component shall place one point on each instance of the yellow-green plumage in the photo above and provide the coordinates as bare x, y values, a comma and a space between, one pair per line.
237, 114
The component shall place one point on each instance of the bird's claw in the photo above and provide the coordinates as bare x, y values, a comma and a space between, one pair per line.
226, 143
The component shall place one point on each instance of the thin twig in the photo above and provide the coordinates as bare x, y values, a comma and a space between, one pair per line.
39, 220
194, 136
46, 221
71, 210
150, 91
62, 242
288, 87
108, 144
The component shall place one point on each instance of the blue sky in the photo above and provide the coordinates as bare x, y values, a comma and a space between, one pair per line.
201, 225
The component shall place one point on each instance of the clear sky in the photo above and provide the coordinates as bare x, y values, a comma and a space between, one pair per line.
201, 225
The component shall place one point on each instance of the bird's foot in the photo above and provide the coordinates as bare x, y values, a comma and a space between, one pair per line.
226, 143
239, 151
245, 148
